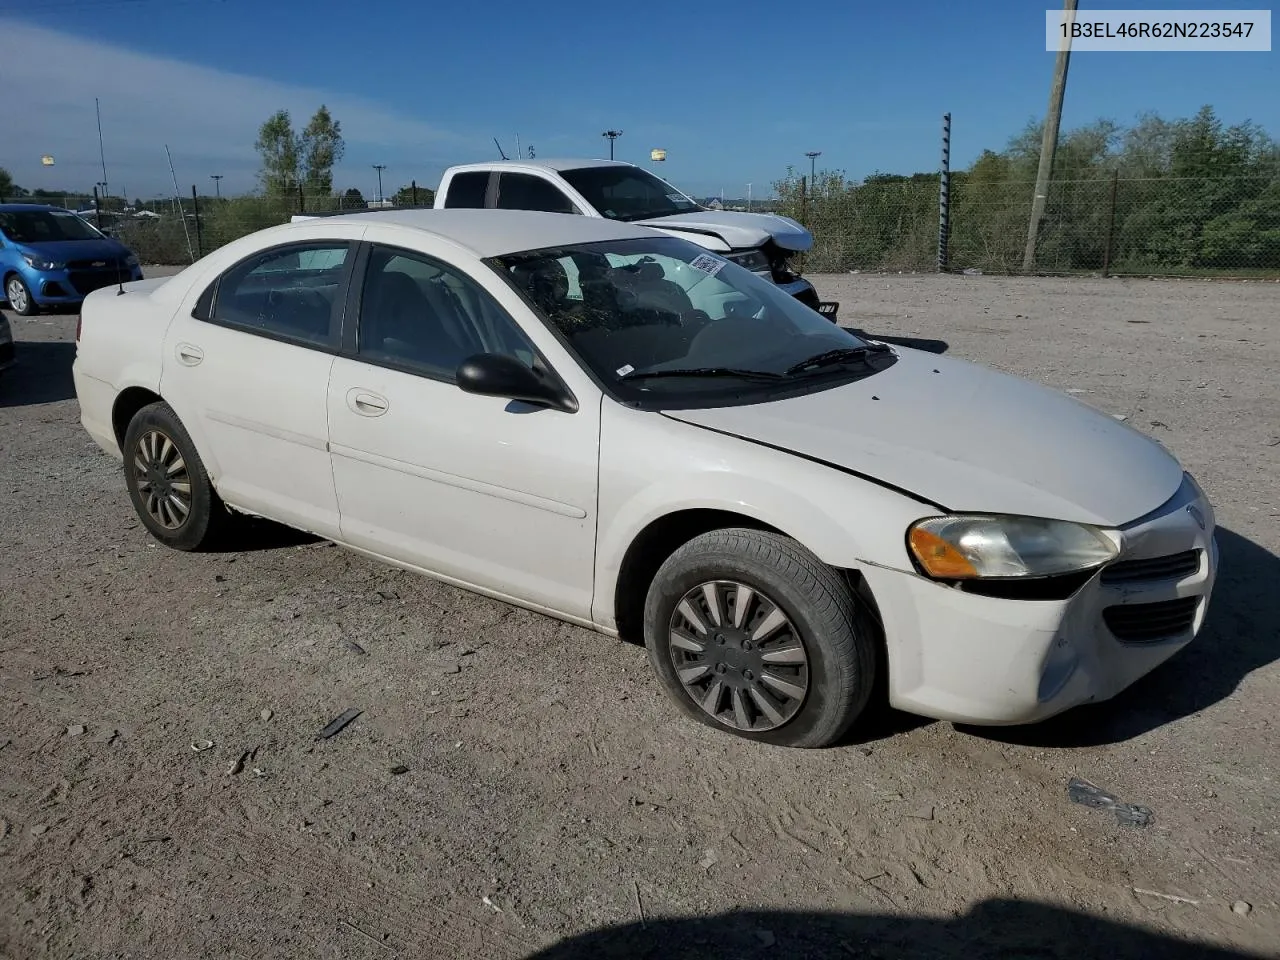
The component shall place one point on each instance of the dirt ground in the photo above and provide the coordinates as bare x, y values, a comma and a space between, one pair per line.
550, 790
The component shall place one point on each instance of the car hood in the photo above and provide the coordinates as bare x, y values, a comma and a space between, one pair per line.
64, 250
967, 438
739, 230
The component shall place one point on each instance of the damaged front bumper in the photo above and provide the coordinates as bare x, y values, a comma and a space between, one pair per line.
976, 659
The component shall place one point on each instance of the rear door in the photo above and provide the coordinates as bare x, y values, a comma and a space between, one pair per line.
247, 369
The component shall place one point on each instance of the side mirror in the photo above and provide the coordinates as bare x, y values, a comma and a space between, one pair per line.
496, 375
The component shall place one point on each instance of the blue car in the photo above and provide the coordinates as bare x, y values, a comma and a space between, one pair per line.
50, 257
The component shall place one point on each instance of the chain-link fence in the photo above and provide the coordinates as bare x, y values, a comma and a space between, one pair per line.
1164, 226
1167, 226
180, 230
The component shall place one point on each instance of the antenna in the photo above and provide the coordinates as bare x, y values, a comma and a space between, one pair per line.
191, 253
499, 146
102, 155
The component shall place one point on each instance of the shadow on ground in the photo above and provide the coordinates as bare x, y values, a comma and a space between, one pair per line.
42, 374
1241, 634
993, 929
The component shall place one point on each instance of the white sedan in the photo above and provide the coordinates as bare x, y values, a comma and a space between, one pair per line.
620, 429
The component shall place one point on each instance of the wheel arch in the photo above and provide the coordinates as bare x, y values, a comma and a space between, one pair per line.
126, 406
663, 535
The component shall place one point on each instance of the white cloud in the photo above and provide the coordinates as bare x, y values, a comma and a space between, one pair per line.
209, 118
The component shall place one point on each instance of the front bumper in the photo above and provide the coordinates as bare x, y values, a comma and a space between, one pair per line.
70, 286
972, 659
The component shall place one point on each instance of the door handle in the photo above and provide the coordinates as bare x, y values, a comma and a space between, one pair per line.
366, 403
188, 354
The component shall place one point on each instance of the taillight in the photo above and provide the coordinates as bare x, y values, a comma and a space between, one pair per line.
79, 320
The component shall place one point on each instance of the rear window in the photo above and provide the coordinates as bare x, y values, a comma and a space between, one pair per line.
467, 189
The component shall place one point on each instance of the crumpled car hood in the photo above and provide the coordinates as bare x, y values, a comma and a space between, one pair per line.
740, 230
967, 438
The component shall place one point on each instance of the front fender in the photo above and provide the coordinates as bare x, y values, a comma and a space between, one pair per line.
652, 466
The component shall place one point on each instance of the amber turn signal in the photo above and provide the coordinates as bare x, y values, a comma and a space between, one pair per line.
939, 558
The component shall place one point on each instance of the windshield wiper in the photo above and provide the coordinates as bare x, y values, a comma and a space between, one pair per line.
839, 355
704, 372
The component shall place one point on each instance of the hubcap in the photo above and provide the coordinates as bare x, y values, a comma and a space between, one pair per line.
17, 295
739, 656
163, 481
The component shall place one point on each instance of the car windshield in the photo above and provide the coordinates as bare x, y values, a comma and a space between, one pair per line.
627, 193
40, 226
662, 319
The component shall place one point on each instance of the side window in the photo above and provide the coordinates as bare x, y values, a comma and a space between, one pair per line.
467, 190
522, 191
418, 313
288, 292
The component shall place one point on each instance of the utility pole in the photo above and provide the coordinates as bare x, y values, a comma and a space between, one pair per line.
748, 197
813, 155
611, 135
1049, 144
379, 167
217, 184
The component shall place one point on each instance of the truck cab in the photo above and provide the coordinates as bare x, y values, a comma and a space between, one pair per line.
761, 242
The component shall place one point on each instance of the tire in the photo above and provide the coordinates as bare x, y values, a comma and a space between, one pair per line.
757, 664
19, 296
153, 467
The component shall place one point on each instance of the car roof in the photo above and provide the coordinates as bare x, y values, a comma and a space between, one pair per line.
492, 233
553, 166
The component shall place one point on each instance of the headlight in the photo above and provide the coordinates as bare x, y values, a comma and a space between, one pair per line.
40, 263
753, 260
979, 547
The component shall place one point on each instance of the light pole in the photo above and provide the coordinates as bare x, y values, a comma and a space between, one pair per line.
611, 135
217, 184
379, 167
813, 155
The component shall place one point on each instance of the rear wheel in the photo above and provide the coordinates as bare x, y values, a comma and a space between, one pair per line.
168, 484
19, 297
752, 634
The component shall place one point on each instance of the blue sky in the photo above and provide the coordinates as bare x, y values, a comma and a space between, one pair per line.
733, 92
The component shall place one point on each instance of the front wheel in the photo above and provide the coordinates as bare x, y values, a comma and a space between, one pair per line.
167, 481
19, 297
751, 633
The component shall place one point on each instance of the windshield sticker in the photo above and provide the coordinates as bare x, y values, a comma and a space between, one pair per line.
623, 371
677, 199
708, 264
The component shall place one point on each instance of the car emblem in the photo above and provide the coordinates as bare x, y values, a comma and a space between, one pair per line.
99, 263
1196, 515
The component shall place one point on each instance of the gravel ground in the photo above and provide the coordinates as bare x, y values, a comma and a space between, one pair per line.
549, 791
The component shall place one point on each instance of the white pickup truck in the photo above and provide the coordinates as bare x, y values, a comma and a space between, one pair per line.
762, 242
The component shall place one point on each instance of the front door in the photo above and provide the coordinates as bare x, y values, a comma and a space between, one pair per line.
483, 491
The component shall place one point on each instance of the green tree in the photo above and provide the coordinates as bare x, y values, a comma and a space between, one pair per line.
404, 197
277, 145
353, 198
7, 187
321, 147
